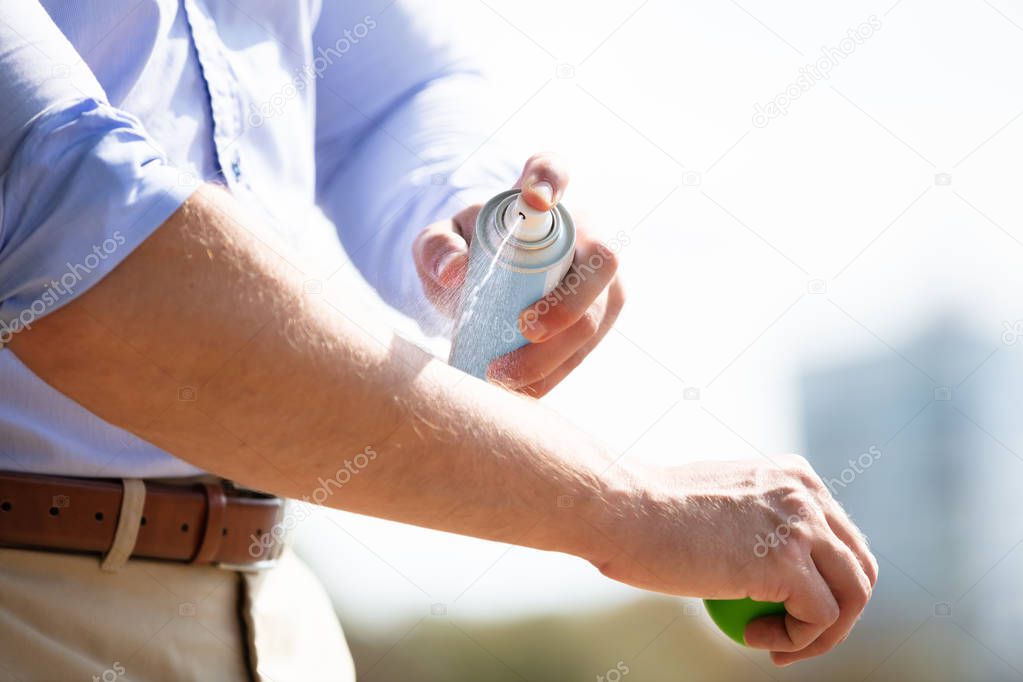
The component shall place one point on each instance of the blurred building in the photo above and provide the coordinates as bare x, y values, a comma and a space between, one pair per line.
918, 445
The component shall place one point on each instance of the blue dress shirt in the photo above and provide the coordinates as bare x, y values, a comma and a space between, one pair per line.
115, 111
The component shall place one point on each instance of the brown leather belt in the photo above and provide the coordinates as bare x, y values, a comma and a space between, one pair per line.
204, 523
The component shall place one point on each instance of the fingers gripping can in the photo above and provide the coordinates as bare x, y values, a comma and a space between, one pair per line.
517, 256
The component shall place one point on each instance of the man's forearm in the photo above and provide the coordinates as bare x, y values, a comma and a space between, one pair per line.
286, 389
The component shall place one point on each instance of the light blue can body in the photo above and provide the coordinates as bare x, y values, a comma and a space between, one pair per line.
505, 276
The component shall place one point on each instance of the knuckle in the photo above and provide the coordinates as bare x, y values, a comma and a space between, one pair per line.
857, 593
540, 162
801, 535
797, 500
830, 613
863, 591
802, 636
809, 478
589, 323
860, 595
608, 259
548, 166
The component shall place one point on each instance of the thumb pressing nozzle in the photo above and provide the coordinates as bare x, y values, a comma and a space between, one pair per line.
526, 223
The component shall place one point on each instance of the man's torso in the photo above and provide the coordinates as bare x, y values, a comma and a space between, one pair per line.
227, 91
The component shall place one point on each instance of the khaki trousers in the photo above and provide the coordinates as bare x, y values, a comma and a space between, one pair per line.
62, 618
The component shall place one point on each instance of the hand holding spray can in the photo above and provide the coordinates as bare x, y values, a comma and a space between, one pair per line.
517, 256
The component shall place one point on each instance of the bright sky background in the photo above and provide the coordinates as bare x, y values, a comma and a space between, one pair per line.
730, 224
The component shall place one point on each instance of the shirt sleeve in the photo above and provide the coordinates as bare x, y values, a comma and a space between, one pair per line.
81, 183
402, 125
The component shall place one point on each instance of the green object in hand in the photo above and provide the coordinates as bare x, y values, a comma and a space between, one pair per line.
733, 615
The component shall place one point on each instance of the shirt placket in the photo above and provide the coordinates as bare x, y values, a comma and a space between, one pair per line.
222, 89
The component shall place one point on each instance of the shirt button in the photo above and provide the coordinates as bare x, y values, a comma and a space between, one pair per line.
236, 168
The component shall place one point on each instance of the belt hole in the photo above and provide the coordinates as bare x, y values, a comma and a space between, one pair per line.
54, 511
142, 521
259, 532
184, 528
99, 516
223, 531
5, 505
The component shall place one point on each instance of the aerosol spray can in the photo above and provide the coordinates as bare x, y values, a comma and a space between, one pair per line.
517, 256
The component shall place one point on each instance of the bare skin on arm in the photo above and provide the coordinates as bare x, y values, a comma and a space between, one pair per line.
287, 388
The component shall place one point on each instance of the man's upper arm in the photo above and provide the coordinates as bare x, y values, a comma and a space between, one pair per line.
369, 63
401, 109
81, 184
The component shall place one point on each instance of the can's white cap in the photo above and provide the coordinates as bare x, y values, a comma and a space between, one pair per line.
527, 223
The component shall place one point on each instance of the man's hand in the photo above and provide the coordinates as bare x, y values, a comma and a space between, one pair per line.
564, 326
727, 530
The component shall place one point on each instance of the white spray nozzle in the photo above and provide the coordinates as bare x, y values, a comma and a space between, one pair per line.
526, 223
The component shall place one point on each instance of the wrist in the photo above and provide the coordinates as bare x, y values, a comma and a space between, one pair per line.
618, 516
